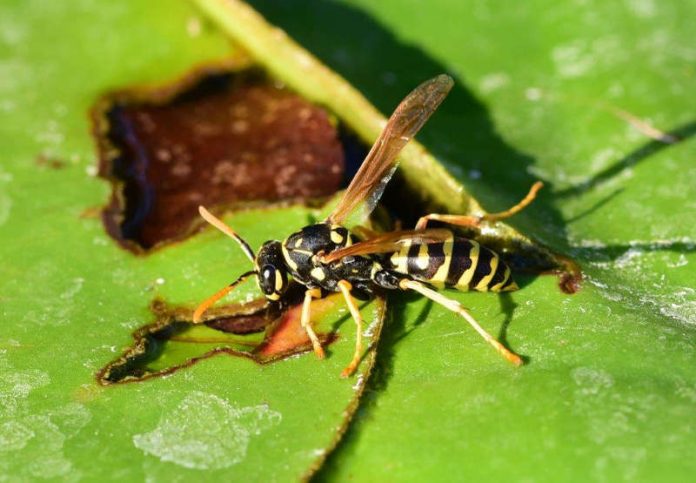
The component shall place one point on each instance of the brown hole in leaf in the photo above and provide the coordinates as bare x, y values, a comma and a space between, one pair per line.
235, 138
216, 139
256, 330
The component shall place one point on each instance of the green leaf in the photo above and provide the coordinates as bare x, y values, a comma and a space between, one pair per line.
608, 392
71, 296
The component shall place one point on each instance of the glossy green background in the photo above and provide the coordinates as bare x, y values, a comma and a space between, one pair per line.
610, 390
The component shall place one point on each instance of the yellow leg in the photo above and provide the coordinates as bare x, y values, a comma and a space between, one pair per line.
210, 301
461, 220
455, 306
526, 201
307, 323
345, 287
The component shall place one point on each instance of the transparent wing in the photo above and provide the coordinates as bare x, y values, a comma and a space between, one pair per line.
368, 185
389, 242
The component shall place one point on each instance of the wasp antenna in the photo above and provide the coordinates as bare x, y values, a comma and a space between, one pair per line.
210, 301
217, 223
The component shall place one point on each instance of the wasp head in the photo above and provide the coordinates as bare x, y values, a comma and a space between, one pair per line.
272, 274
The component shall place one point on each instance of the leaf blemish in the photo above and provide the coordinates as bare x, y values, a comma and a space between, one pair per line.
206, 432
217, 138
255, 331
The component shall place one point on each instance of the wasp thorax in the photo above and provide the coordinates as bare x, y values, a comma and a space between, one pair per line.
272, 275
314, 239
303, 249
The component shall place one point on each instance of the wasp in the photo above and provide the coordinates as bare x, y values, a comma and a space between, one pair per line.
327, 257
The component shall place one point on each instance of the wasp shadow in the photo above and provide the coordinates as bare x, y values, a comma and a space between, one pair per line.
641, 154
612, 252
461, 134
384, 68
679, 134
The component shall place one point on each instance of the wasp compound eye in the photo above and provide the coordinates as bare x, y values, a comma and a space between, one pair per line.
272, 282
267, 279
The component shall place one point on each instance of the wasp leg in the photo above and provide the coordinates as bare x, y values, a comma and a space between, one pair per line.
210, 301
345, 288
459, 220
306, 322
473, 221
455, 306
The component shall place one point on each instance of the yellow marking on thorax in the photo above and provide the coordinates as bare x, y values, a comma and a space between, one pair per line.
318, 273
498, 286
291, 263
298, 242
464, 280
336, 237
483, 284
440, 277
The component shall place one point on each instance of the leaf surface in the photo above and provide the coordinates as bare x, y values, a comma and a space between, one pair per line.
71, 296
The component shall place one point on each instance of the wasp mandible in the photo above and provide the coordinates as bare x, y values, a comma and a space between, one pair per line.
327, 256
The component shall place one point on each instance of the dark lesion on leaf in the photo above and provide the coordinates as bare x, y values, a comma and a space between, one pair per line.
44, 160
231, 138
257, 330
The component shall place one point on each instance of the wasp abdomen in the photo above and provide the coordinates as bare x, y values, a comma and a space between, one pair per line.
458, 263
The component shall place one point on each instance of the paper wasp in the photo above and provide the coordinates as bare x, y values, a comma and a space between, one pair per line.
328, 257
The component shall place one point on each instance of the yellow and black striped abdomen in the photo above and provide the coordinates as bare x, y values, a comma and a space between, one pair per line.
457, 263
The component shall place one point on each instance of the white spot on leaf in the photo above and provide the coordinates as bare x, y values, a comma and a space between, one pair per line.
572, 59
14, 435
493, 82
41, 436
5, 200
206, 432
642, 8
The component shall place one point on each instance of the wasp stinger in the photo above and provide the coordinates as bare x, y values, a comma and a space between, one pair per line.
327, 256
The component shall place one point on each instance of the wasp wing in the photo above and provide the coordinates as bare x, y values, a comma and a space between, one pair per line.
368, 185
392, 241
